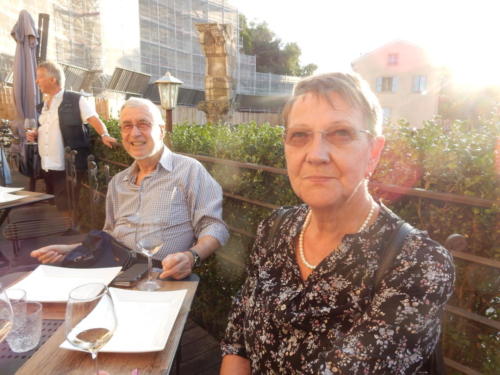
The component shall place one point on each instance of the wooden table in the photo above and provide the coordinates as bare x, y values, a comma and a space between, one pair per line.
50, 359
29, 197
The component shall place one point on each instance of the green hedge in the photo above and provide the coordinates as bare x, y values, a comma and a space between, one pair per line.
454, 159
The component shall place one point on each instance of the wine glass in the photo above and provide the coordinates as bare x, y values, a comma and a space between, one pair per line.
6, 315
149, 240
30, 126
90, 318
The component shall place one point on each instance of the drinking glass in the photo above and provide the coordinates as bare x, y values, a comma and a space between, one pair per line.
149, 240
17, 298
6, 315
26, 327
30, 126
90, 318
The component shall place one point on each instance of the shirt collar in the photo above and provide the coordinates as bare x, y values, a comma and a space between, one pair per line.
56, 98
59, 94
166, 162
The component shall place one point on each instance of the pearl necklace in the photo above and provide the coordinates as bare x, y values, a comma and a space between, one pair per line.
306, 223
368, 218
301, 242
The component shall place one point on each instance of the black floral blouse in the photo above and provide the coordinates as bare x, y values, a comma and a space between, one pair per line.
329, 324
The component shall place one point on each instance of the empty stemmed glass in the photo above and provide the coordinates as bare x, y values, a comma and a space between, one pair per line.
90, 318
30, 126
6, 315
148, 240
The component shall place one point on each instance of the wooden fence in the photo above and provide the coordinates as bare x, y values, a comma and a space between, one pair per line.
7, 106
108, 108
192, 115
412, 192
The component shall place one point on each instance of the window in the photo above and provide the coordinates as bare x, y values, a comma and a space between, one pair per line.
387, 84
419, 84
387, 112
392, 59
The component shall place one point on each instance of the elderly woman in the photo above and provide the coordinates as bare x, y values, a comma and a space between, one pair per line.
307, 306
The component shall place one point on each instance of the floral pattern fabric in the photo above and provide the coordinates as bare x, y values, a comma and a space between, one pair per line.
329, 323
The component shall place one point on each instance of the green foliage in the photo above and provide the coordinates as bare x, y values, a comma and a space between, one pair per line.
271, 55
458, 159
455, 159
250, 143
117, 154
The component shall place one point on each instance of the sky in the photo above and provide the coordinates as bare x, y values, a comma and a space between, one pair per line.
461, 34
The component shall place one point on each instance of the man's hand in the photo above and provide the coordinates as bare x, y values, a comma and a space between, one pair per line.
178, 265
100, 128
109, 141
52, 253
31, 135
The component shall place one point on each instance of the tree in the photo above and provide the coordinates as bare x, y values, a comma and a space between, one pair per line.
272, 56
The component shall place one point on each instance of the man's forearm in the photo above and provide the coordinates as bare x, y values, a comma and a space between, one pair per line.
205, 246
98, 125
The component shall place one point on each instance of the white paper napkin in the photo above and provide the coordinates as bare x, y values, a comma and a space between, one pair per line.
4, 189
53, 284
5, 197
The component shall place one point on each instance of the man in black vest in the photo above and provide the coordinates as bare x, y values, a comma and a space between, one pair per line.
63, 122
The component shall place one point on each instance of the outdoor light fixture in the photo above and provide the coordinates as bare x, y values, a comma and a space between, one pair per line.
168, 86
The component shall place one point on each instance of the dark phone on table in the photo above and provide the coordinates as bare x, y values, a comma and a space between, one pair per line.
131, 276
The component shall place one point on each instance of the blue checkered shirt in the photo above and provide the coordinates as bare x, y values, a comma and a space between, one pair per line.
179, 202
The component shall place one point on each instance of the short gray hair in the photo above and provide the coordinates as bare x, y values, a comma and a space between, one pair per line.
350, 86
54, 70
141, 102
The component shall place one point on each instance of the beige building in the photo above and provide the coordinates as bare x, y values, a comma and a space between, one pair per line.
404, 79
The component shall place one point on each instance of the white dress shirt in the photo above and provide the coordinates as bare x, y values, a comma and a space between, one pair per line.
50, 141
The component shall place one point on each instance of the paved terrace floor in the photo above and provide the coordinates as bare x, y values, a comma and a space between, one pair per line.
200, 354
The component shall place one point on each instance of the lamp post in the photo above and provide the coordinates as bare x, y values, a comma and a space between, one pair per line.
168, 86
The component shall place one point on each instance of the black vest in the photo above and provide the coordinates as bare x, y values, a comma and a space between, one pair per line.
74, 133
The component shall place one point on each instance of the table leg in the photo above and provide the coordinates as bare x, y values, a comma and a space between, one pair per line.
4, 262
32, 184
178, 359
3, 215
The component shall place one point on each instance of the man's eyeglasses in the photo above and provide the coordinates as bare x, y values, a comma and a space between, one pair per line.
337, 137
143, 126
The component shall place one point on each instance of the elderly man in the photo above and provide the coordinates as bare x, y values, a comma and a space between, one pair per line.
178, 191
63, 118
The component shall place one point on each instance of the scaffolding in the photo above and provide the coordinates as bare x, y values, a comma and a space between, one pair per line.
169, 42
77, 25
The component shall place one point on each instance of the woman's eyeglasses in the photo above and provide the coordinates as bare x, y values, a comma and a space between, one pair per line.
336, 137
